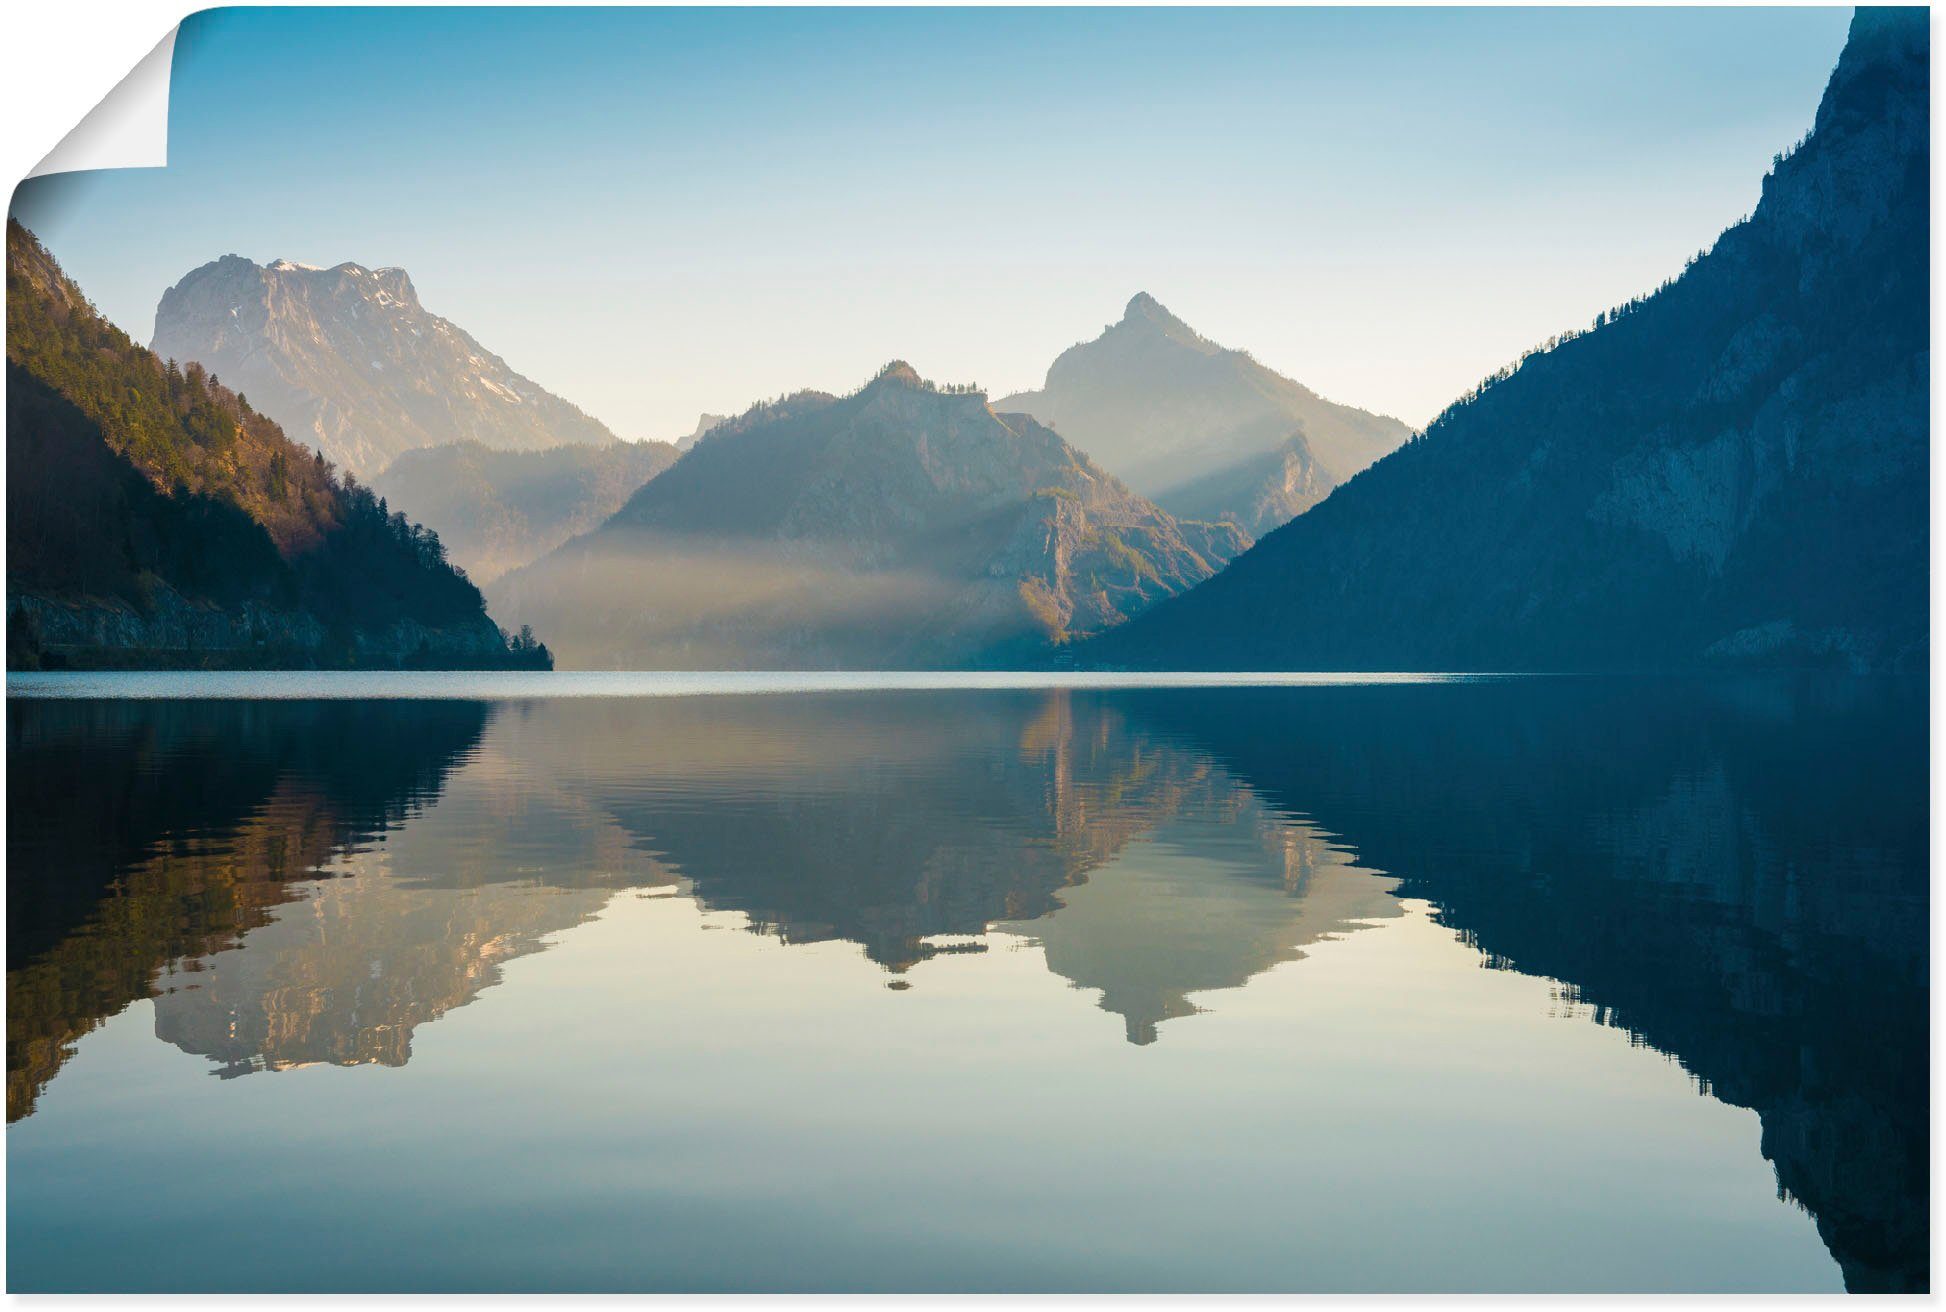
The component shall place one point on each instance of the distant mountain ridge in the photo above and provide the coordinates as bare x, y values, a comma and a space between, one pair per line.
155, 519
1733, 470
1172, 412
902, 526
499, 510
703, 425
347, 359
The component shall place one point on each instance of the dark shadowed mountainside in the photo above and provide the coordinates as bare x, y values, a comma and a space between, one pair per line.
499, 510
1732, 470
347, 359
1206, 431
901, 526
155, 519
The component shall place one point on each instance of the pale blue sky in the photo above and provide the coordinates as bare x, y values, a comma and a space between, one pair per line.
661, 212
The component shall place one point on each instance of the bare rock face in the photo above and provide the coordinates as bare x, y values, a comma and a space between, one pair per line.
347, 360
1186, 421
902, 526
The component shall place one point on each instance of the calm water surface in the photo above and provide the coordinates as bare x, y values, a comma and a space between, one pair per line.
479, 983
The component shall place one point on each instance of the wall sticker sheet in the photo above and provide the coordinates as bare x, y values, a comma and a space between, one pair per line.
1113, 650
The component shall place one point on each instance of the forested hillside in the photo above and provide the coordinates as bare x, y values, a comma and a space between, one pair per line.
154, 517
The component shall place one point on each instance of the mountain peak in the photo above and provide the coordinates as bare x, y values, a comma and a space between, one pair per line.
1165, 407
1146, 312
345, 357
899, 372
1144, 308
396, 283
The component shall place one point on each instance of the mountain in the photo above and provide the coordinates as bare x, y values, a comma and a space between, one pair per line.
1171, 411
155, 518
1258, 493
703, 425
1731, 470
902, 526
499, 510
347, 359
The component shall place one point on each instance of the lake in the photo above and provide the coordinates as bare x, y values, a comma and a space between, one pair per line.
608, 982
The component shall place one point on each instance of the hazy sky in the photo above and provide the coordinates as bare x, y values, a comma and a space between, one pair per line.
661, 212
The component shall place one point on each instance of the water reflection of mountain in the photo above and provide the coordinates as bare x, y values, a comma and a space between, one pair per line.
214, 856
144, 832
1735, 874
345, 976
405, 932
1214, 895
897, 822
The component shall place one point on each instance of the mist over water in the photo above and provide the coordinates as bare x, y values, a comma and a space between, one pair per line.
813, 984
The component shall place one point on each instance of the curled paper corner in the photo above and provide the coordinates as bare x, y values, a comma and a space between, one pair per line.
129, 129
